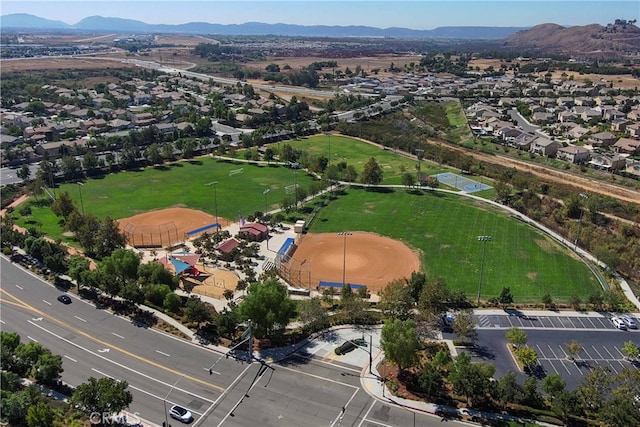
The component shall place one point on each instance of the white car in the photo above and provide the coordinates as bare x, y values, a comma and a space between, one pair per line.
618, 323
181, 414
629, 321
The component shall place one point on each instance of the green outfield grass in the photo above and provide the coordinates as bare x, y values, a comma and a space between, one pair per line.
358, 153
177, 185
445, 228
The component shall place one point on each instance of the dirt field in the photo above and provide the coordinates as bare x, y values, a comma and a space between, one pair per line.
369, 259
53, 64
215, 281
182, 218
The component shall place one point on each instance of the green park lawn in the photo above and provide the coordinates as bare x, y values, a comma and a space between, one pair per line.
180, 184
444, 229
357, 153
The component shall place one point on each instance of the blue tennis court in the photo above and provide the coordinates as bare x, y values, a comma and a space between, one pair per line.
462, 182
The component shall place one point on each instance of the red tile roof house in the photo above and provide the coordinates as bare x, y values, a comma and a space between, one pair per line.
254, 231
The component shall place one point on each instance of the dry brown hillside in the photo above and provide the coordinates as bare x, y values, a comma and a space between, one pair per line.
580, 41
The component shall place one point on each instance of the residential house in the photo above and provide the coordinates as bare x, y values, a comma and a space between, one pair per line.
633, 169
574, 154
544, 147
620, 125
542, 117
607, 162
523, 141
575, 131
634, 130
591, 114
509, 134
602, 139
627, 146
59, 149
566, 116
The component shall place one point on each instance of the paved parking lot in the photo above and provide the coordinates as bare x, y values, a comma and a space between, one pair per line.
520, 320
553, 359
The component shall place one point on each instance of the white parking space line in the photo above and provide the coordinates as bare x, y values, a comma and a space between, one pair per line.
596, 350
587, 353
541, 352
553, 352
591, 321
554, 368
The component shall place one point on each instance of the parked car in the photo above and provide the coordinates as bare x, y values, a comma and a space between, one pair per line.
630, 322
64, 299
618, 323
181, 414
350, 345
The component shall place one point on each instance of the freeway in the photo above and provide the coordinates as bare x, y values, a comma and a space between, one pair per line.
162, 370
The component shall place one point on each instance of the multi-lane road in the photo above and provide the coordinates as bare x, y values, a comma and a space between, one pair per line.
162, 370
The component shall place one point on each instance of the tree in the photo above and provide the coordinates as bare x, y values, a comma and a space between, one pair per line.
408, 179
372, 173
122, 265
433, 299
430, 379
573, 349
547, 300
465, 328
416, 283
104, 396
565, 404
553, 385
527, 356
47, 368
399, 340
531, 396
505, 297
516, 336
172, 303
396, 300
630, 350
63, 205
9, 342
197, 311
312, 314
40, 415
77, 265
24, 172
268, 306
471, 379
508, 390
108, 238
595, 389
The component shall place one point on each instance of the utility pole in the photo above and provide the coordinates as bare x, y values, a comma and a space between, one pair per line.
215, 202
575, 244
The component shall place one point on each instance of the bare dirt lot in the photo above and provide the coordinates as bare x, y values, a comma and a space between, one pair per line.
364, 259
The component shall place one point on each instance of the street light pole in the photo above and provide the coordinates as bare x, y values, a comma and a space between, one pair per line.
344, 258
81, 202
215, 202
484, 240
575, 244
164, 401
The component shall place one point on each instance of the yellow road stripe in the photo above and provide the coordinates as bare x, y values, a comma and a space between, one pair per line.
104, 343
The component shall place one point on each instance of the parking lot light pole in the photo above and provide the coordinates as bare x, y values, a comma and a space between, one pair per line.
215, 202
484, 240
344, 258
81, 202
575, 244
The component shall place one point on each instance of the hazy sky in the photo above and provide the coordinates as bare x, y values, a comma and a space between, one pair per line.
415, 14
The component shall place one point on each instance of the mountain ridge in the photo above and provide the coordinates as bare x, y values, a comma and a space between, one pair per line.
110, 24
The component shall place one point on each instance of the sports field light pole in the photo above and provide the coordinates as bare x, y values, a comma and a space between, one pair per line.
81, 202
164, 401
264, 193
484, 240
575, 244
344, 258
215, 201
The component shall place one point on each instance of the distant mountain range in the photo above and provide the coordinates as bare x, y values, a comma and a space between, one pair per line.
22, 21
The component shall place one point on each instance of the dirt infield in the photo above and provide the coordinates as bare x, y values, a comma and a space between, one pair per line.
369, 259
184, 220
